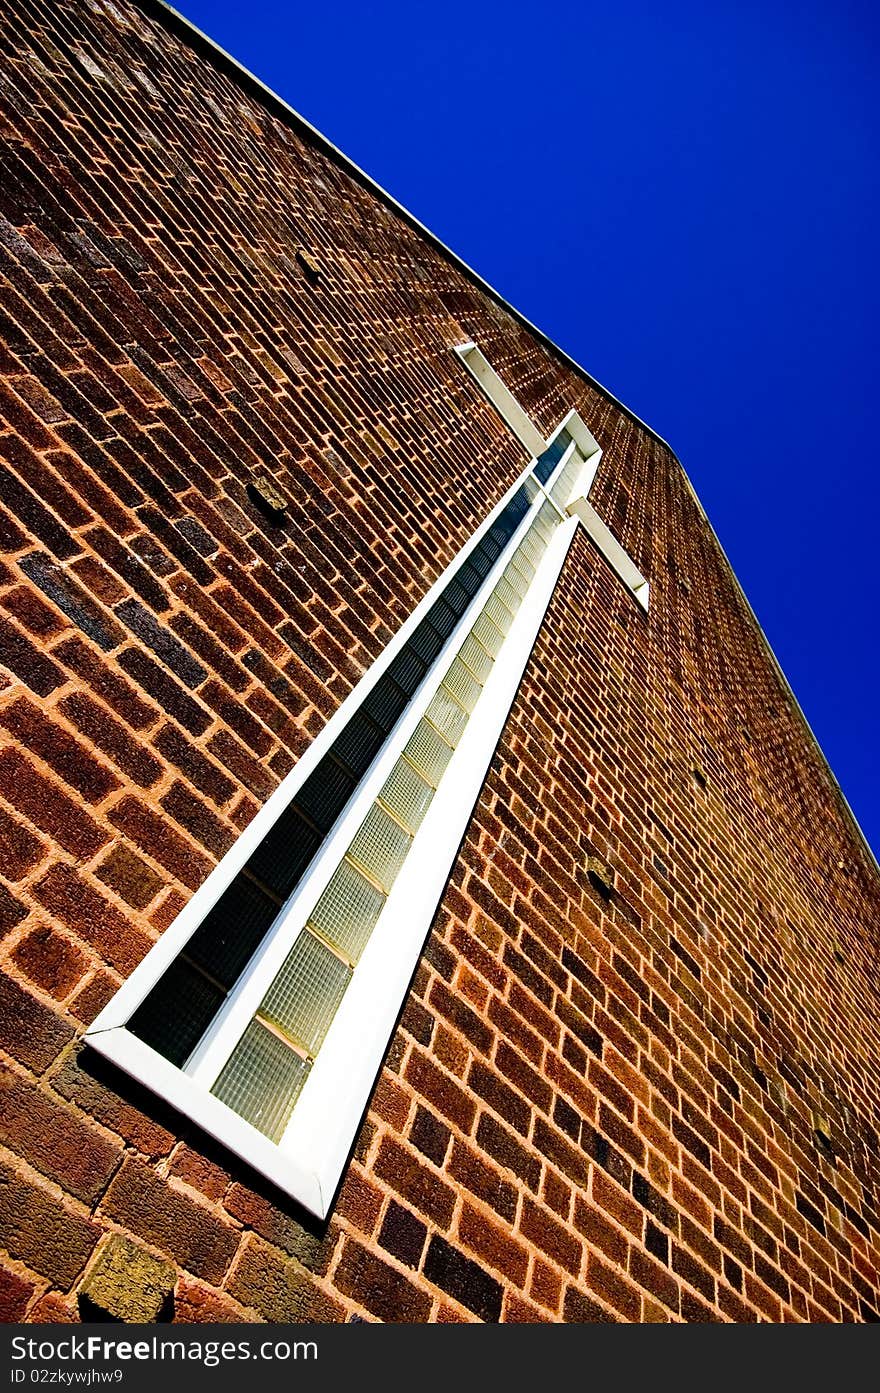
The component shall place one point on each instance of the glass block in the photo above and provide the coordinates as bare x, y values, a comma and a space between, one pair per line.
523, 567
386, 703
379, 847
456, 595
305, 995
232, 931
281, 858
499, 614
177, 1012
490, 548
531, 548
488, 634
347, 910
516, 580
406, 794
462, 684
443, 617
429, 752
407, 669
547, 462
507, 595
474, 656
480, 562
426, 642
445, 713
262, 1080
532, 488
325, 793
358, 743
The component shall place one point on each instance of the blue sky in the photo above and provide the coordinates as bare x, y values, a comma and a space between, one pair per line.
685, 197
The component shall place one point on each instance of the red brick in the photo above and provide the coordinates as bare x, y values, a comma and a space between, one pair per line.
413, 1181
38, 1230
87, 913
189, 1232
56, 1142
48, 807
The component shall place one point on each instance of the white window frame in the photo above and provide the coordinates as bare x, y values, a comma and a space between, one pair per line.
309, 1160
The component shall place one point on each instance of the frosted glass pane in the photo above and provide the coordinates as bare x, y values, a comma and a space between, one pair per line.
475, 657
507, 595
521, 567
488, 633
347, 910
445, 713
262, 1080
304, 996
429, 752
531, 548
379, 847
498, 613
406, 794
462, 684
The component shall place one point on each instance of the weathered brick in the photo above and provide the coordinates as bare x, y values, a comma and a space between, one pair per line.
58, 1143
171, 1221
279, 1289
29, 1031
379, 1287
38, 1230
87, 913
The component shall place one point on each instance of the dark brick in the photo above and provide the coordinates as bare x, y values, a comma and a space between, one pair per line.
27, 662
199, 770
483, 1180
50, 961
171, 697
414, 1182
197, 818
457, 1012
508, 1150
385, 1292
146, 1204
152, 834
12, 911
546, 1233
53, 1139
87, 913
65, 592
580, 1309
429, 1135
112, 737
118, 694
500, 1096
403, 1235
163, 643
463, 1279
439, 1088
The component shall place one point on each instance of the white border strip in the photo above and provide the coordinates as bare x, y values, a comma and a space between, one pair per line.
309, 1162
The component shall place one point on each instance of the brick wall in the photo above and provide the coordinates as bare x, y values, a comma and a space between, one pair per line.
636, 1078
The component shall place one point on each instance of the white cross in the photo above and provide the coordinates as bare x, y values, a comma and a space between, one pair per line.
527, 433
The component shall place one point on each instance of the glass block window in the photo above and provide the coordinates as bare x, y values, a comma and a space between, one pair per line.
245, 1010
